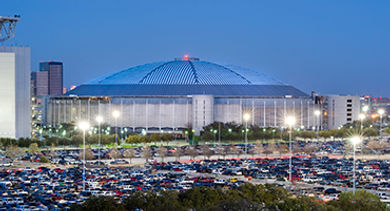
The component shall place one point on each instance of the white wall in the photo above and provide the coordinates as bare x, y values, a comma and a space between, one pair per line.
20, 90
7, 95
338, 113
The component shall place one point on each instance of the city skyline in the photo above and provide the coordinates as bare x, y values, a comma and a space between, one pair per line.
345, 44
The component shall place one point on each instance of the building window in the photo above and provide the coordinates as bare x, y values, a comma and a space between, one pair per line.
349, 119
349, 101
349, 109
349, 105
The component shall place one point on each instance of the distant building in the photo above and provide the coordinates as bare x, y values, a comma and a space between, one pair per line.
40, 83
15, 110
182, 93
341, 110
48, 80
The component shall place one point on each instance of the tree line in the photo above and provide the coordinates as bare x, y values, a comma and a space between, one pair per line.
244, 197
233, 131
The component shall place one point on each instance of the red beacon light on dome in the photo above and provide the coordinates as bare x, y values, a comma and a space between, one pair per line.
186, 57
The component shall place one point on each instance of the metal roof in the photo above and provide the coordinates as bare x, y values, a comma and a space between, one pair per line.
183, 90
186, 72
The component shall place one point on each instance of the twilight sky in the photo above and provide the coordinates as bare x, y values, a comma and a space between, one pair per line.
333, 47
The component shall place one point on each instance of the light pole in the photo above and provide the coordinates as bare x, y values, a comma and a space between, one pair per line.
115, 114
361, 117
246, 119
290, 122
365, 108
355, 140
99, 120
317, 113
84, 126
381, 112
219, 132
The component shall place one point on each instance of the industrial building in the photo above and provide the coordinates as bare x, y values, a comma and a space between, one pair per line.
341, 110
15, 112
182, 93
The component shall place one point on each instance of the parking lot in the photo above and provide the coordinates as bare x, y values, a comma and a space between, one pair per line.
322, 173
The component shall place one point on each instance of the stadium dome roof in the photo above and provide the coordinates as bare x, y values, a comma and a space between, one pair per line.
187, 76
186, 72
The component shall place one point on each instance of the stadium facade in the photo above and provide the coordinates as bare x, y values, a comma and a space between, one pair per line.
183, 93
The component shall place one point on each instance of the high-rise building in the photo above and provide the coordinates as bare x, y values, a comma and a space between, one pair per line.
40, 83
55, 76
48, 80
15, 111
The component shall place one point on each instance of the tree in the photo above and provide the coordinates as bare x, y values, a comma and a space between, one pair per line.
192, 152
52, 151
361, 201
115, 153
89, 154
386, 130
147, 153
144, 139
309, 149
296, 148
370, 132
234, 150
153, 201
154, 138
347, 148
99, 203
133, 139
163, 152
14, 152
271, 148
44, 159
33, 148
207, 152
208, 136
372, 146
166, 137
252, 150
283, 149
177, 153
129, 153
259, 148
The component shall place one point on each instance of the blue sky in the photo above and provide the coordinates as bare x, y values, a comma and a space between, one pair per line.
333, 47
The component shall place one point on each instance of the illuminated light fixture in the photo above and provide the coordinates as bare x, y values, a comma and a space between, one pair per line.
246, 117
83, 126
186, 57
99, 119
115, 114
365, 108
356, 140
362, 116
290, 121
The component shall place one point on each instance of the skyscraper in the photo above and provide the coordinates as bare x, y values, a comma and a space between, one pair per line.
15, 111
54, 76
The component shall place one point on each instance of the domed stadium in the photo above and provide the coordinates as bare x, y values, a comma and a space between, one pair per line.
182, 93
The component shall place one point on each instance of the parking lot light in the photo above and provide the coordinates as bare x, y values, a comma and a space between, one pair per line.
246, 118
290, 122
361, 117
355, 140
84, 126
99, 120
381, 112
365, 108
116, 114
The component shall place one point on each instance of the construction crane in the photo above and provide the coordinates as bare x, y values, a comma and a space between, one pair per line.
7, 27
